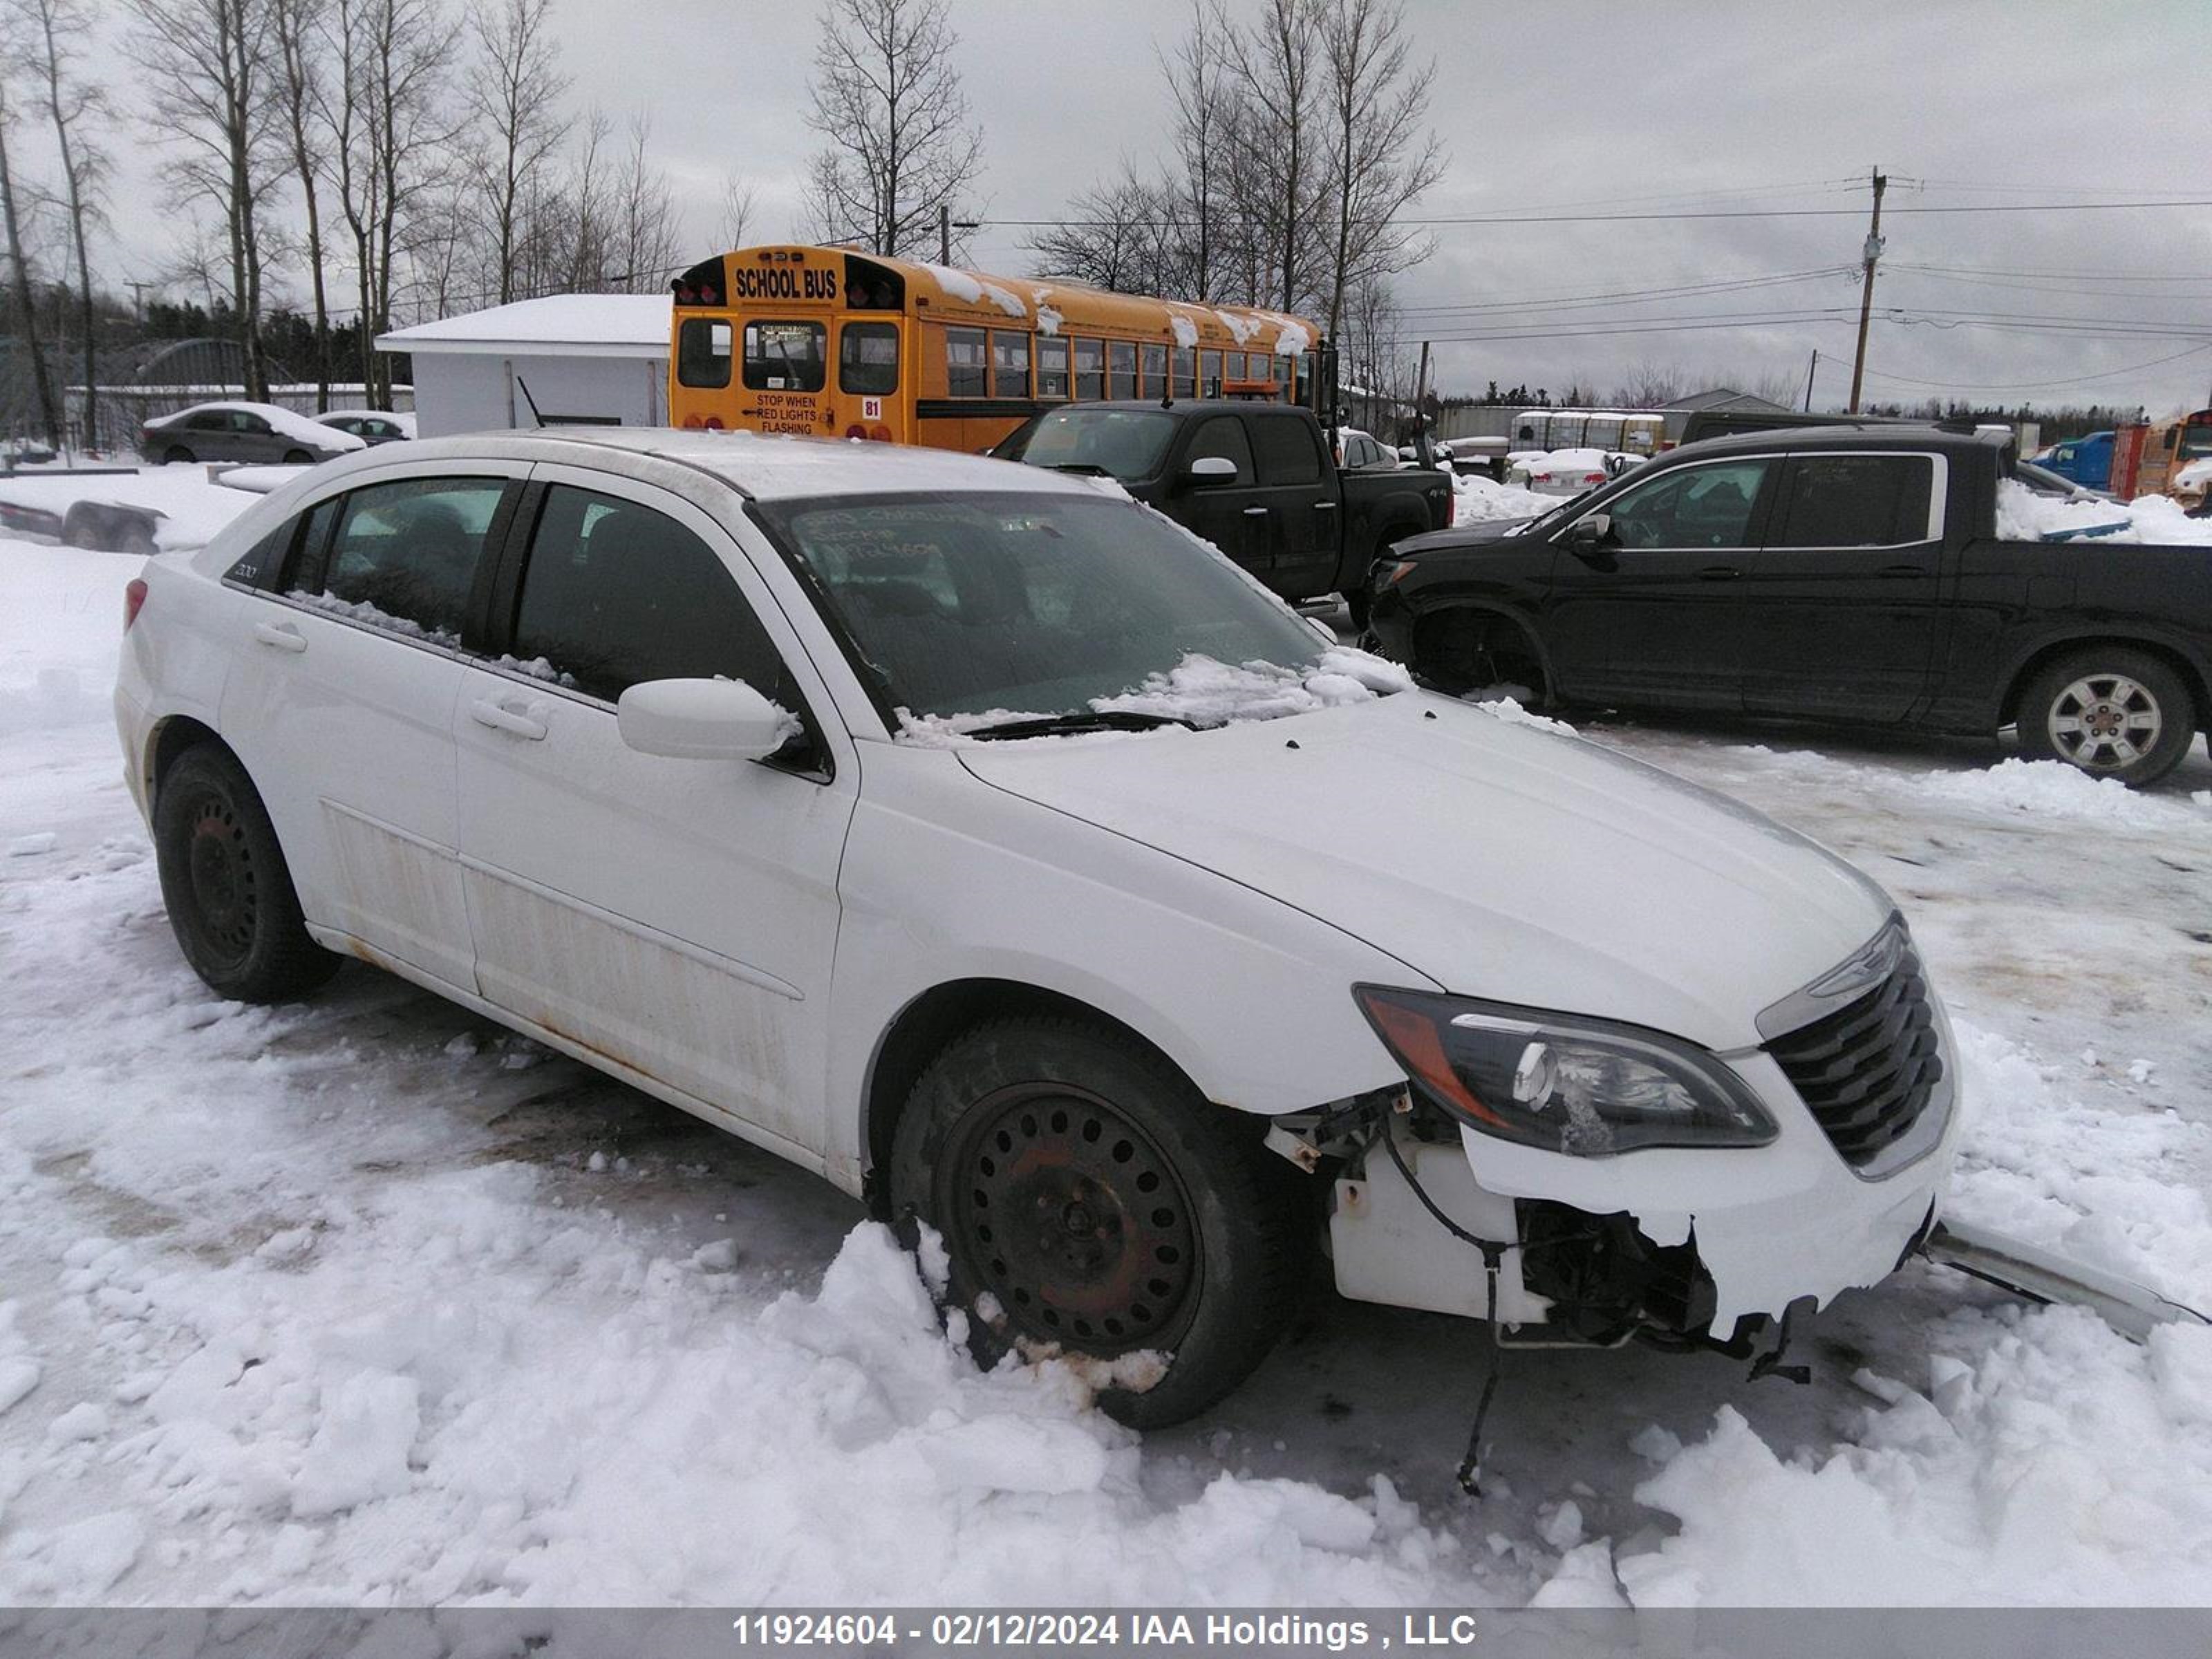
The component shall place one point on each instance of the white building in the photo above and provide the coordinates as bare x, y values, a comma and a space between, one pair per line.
568, 359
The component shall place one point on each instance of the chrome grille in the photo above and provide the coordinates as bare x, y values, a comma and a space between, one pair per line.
1868, 1069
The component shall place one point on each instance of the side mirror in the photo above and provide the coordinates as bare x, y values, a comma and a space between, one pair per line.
1589, 532
701, 720
1209, 470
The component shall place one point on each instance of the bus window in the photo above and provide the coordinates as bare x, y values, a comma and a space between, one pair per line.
1052, 369
1209, 374
702, 352
1091, 368
785, 356
1156, 371
1232, 365
1186, 372
867, 359
964, 373
1010, 364
1286, 377
1121, 370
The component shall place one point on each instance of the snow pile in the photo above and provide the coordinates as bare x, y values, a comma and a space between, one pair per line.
1510, 710
2032, 515
2054, 789
964, 285
1201, 690
1476, 499
190, 510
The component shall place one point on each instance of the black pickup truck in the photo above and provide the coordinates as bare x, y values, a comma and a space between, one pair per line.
1256, 479
1841, 572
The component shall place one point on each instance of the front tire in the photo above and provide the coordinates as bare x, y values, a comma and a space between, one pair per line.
2111, 711
1091, 1199
228, 891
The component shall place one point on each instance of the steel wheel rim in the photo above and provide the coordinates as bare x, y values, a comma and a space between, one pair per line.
2105, 722
1073, 1219
219, 876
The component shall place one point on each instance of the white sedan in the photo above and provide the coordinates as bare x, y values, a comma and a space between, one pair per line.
985, 843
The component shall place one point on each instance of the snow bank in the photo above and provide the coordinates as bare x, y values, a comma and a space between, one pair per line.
2031, 515
1475, 499
192, 508
2054, 789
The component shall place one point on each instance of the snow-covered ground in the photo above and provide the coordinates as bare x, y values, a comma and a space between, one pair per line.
366, 1301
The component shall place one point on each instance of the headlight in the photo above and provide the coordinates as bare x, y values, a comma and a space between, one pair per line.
1586, 1087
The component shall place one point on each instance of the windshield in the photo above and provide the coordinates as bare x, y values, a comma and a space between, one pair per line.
1125, 443
1020, 601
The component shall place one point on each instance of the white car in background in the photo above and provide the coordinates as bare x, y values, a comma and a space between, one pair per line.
988, 844
1570, 471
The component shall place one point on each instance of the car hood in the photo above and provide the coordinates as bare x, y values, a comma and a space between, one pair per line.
1479, 532
1491, 857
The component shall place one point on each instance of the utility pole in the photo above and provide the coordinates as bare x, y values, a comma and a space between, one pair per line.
944, 233
1814, 368
1866, 297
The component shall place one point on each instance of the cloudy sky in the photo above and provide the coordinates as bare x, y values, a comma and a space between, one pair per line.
1693, 146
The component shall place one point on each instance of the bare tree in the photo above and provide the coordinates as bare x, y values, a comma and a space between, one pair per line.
55, 32
1274, 62
740, 202
19, 268
1199, 77
389, 130
1121, 235
514, 91
587, 208
204, 63
645, 218
888, 100
1650, 385
1382, 159
299, 91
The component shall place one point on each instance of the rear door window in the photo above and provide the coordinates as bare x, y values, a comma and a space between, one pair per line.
404, 555
785, 356
1856, 501
868, 359
704, 352
1286, 450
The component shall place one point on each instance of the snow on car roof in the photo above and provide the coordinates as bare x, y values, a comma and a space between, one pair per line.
766, 466
289, 421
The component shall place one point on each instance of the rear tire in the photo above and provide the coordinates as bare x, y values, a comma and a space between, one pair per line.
2112, 711
177, 454
1103, 1205
298, 457
230, 893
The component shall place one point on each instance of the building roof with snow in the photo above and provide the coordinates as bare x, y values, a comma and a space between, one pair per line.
558, 324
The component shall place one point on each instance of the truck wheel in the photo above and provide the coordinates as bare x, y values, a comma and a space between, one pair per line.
223, 877
1357, 602
1092, 1202
2111, 711
81, 529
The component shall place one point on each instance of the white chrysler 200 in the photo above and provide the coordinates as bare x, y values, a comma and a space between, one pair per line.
985, 843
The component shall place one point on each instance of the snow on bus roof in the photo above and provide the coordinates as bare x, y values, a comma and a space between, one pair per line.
588, 324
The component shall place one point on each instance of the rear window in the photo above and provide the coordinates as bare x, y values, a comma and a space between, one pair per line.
702, 352
405, 553
867, 359
785, 356
1856, 501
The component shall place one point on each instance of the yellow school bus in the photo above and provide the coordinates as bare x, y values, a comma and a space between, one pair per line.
834, 344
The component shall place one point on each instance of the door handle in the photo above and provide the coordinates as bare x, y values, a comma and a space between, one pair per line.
283, 638
1719, 573
1902, 570
1257, 512
516, 721
1324, 507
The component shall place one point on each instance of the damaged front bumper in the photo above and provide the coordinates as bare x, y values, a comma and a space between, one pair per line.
1669, 1243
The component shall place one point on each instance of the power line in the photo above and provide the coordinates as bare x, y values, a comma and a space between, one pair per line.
1173, 222
2039, 385
1575, 301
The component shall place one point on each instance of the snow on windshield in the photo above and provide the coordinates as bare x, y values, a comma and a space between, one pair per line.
1201, 691
2035, 515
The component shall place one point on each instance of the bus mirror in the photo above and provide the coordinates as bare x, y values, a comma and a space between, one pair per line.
1210, 470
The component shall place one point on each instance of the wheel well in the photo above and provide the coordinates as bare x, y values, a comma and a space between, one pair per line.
933, 1020
2199, 694
1504, 637
175, 735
